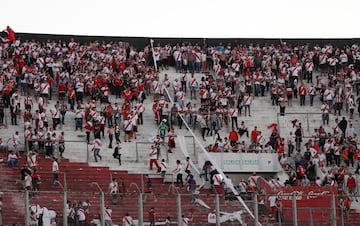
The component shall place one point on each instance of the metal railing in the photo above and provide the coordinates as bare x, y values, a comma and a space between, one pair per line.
289, 210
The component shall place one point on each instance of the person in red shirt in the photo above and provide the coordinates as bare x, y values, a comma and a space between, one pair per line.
351, 184
254, 135
233, 137
127, 95
152, 215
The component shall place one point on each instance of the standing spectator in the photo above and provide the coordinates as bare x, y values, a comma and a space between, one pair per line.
254, 135
153, 158
127, 220
212, 218
179, 174
127, 126
234, 113
108, 216
114, 190
325, 113
163, 168
233, 137
15, 140
302, 93
36, 180
55, 171
55, 112
350, 133
162, 129
79, 114
152, 215
290, 142
246, 103
28, 181
61, 144
63, 109
351, 185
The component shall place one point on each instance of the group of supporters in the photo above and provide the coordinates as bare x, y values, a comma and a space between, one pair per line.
225, 78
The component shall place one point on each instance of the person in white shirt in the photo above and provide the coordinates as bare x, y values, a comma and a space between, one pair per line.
163, 168
28, 181
350, 132
13, 160
127, 220
290, 142
185, 220
97, 148
55, 171
179, 173
81, 216
114, 189
107, 216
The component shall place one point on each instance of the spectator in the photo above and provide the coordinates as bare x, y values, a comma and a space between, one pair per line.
114, 190
179, 173
117, 151
13, 160
127, 220
55, 171
36, 180
152, 216
351, 185
191, 187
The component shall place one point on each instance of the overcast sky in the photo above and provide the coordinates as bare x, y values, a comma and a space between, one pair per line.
186, 18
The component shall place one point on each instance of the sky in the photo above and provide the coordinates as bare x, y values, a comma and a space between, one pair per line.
186, 18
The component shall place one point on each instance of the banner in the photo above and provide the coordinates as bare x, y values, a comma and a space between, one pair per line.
247, 162
312, 202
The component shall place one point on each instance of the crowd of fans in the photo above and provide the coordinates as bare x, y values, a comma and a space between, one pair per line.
225, 78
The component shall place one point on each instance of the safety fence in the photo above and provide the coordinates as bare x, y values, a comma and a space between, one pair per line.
296, 208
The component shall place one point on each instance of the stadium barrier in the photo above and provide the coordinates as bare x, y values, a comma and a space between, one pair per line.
293, 208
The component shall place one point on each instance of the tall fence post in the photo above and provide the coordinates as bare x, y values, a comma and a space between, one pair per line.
333, 210
256, 209
194, 146
137, 152
217, 209
102, 208
65, 183
140, 210
65, 209
278, 122
311, 218
87, 153
27, 212
178, 205
295, 223
307, 120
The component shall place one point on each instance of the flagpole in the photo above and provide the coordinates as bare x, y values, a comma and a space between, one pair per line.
153, 53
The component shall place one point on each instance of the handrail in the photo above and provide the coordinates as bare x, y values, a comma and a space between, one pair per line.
60, 184
173, 188
97, 185
136, 186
